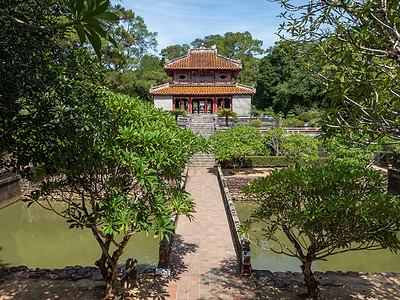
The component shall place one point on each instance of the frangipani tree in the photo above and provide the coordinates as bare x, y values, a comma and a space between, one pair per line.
358, 42
323, 211
117, 174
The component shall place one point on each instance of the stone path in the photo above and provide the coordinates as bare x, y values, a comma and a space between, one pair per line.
203, 259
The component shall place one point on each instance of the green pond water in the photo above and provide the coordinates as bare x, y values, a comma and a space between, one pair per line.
361, 261
35, 237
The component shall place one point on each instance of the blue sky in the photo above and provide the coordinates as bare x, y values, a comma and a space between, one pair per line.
182, 21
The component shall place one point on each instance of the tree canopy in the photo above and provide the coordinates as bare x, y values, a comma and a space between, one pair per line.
283, 82
118, 174
323, 211
358, 43
232, 146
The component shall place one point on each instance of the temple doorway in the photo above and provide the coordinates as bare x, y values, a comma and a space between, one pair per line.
202, 106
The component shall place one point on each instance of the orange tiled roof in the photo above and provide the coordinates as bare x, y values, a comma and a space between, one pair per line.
176, 90
203, 59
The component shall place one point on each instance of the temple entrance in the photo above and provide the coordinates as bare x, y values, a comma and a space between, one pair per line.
202, 106
224, 103
181, 103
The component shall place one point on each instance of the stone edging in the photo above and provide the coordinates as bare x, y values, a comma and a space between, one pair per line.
241, 243
329, 278
67, 273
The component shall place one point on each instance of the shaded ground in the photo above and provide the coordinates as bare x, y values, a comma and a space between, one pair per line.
277, 285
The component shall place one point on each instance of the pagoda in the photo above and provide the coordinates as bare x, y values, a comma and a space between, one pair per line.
202, 83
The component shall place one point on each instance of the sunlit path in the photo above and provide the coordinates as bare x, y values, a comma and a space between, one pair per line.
203, 259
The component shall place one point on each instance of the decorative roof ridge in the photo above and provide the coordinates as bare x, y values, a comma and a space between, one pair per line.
231, 60
161, 86
245, 86
203, 49
172, 61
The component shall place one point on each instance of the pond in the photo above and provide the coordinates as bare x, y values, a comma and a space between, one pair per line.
35, 237
361, 261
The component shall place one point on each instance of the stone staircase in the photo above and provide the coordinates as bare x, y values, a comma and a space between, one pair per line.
203, 124
200, 159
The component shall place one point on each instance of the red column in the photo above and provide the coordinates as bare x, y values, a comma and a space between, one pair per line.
215, 105
190, 106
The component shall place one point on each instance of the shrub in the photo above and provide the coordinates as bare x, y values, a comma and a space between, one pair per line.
255, 123
291, 122
232, 146
306, 116
235, 119
267, 161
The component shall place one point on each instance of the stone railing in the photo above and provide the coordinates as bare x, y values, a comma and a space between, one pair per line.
242, 244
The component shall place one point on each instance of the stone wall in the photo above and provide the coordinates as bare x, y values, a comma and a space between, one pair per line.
164, 102
241, 105
10, 189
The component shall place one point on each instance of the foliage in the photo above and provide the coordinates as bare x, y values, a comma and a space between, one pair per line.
235, 119
85, 16
301, 148
232, 146
283, 82
226, 113
41, 76
324, 211
357, 42
178, 112
305, 116
340, 151
131, 68
119, 175
292, 122
274, 139
174, 51
255, 123
267, 161
276, 161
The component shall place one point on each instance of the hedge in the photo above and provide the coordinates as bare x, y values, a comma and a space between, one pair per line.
274, 161
267, 161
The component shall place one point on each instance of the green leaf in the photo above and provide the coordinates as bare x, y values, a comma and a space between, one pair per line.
102, 6
95, 41
109, 16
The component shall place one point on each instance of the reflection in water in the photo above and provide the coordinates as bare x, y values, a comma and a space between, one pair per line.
361, 261
39, 238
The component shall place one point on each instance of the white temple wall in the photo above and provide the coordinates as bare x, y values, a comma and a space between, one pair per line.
164, 102
241, 104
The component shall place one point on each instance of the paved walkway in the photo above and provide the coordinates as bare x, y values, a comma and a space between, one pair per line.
203, 259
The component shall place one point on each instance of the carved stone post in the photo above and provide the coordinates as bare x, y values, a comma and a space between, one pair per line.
246, 257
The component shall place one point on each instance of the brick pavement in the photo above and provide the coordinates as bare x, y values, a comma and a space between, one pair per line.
203, 260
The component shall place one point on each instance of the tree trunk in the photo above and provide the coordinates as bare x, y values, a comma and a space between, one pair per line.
111, 280
311, 283
226, 121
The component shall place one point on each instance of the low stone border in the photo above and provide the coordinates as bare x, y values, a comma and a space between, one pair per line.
265, 278
68, 273
242, 245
